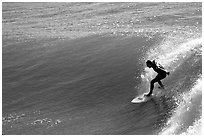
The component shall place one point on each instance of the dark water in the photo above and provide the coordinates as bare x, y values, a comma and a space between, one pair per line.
89, 78
84, 83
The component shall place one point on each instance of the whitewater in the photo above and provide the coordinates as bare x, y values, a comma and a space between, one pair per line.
186, 116
73, 68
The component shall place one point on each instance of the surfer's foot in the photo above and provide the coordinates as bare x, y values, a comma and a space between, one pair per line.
161, 87
147, 95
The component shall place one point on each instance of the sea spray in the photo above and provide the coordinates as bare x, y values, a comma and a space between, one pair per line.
171, 55
186, 117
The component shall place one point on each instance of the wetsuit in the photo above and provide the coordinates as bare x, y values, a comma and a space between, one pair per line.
160, 70
161, 75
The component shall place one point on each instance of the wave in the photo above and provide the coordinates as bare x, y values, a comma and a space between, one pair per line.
186, 118
183, 87
69, 67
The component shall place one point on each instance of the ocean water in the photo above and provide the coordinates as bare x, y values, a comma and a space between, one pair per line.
73, 68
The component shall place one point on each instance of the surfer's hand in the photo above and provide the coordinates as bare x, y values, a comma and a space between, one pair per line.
167, 73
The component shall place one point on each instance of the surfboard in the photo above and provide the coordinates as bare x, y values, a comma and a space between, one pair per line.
141, 99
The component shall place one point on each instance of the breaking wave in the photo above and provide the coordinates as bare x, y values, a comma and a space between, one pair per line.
183, 87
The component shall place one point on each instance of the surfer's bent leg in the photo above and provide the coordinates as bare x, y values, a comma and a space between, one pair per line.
160, 83
158, 79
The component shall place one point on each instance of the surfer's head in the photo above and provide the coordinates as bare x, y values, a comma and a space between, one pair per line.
149, 63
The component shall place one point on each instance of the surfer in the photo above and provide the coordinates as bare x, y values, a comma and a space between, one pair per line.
161, 75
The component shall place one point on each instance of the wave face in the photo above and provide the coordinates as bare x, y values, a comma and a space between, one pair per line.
73, 68
183, 86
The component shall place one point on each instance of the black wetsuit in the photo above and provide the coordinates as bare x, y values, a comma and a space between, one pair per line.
161, 75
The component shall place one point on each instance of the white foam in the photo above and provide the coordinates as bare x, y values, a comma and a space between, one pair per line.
170, 55
144, 86
186, 117
195, 129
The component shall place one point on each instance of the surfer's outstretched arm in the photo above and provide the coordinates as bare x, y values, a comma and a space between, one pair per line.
151, 87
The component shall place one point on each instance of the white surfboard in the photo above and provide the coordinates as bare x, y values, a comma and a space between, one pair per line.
141, 99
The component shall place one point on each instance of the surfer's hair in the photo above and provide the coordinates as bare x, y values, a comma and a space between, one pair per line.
148, 62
